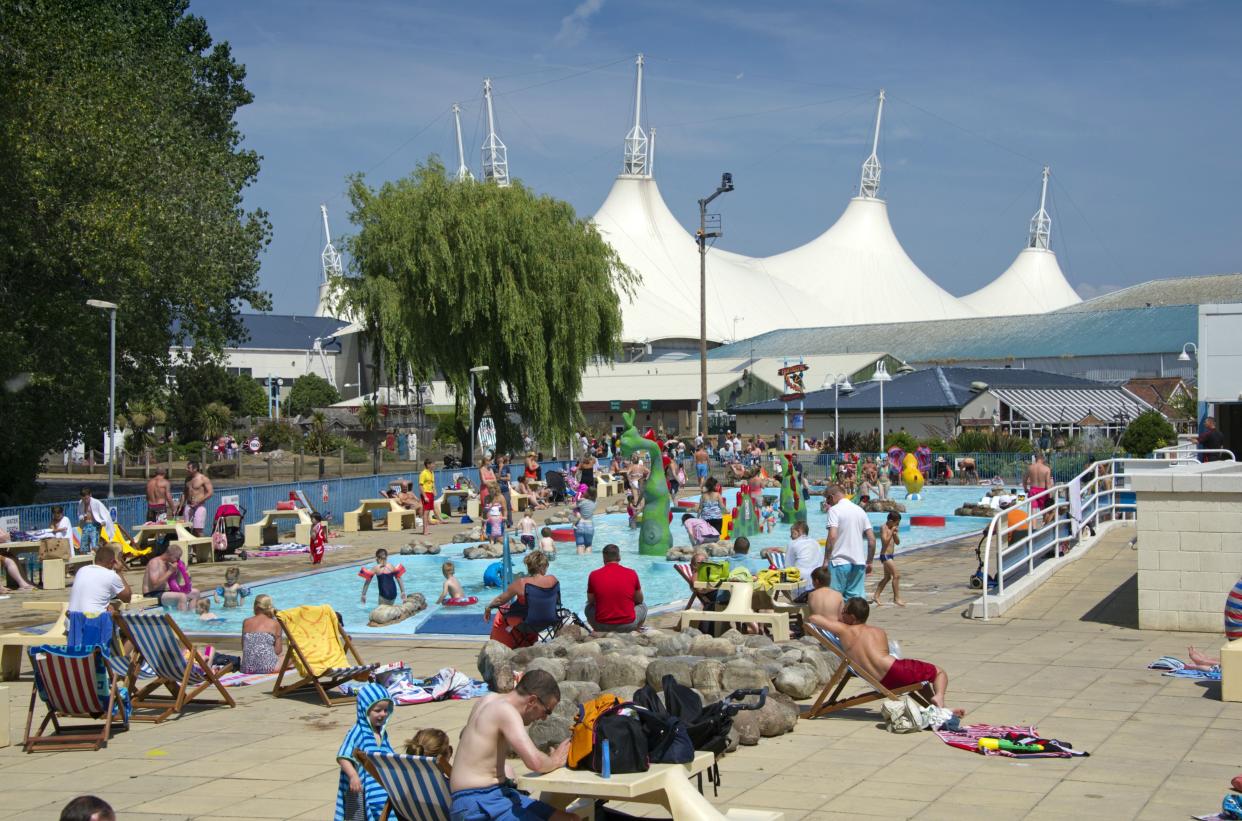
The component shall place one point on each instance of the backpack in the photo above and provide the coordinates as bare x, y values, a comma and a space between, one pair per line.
621, 729
582, 735
713, 572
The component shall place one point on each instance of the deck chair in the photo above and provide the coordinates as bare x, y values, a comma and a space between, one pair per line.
829, 700
417, 790
317, 645
777, 560
158, 643
74, 682
699, 596
544, 615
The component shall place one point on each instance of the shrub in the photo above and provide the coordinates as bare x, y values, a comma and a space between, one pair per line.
275, 435
1149, 431
989, 441
901, 439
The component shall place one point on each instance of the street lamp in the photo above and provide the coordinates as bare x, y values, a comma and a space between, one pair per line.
473, 371
881, 375
111, 308
1184, 356
839, 383
726, 185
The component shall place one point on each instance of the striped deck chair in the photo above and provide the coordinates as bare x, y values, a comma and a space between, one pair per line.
158, 642
700, 596
829, 700
74, 682
417, 790
777, 560
317, 645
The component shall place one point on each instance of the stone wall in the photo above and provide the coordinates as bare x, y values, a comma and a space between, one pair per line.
1189, 545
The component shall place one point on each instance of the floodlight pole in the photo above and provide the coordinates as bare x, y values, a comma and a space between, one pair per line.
726, 185
110, 307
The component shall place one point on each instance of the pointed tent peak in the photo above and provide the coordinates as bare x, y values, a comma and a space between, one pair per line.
495, 154
869, 185
463, 170
636, 159
1041, 223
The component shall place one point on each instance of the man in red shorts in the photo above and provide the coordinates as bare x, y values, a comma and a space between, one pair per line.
867, 647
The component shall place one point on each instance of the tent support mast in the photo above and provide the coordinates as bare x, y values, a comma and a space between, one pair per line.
869, 186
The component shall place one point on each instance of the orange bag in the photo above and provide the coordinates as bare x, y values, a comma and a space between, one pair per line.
582, 739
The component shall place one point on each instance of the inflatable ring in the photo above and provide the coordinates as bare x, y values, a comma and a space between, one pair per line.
686, 504
493, 575
464, 602
563, 534
367, 574
927, 521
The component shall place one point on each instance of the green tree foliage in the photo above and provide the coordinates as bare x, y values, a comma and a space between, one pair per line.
215, 419
249, 397
453, 275
139, 421
199, 384
319, 439
1148, 431
121, 174
989, 441
277, 435
310, 391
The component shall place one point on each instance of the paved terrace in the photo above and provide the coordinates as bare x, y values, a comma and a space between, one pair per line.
1068, 660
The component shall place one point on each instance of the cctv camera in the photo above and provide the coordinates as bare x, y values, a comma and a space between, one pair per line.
726, 181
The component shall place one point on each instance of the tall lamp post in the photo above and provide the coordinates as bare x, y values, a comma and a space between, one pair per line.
473, 371
111, 308
881, 375
839, 383
726, 185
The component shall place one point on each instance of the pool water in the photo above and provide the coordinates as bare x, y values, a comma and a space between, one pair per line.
341, 587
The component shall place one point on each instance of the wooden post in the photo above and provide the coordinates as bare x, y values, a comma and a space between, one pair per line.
170, 462
269, 467
341, 470
146, 463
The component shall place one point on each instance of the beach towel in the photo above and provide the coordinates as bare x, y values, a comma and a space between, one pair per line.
245, 679
1176, 668
967, 738
314, 628
291, 549
370, 802
445, 685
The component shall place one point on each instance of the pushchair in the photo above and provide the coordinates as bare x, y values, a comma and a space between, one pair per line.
556, 485
228, 522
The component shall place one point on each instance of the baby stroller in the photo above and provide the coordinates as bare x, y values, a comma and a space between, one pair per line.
556, 484
976, 578
228, 523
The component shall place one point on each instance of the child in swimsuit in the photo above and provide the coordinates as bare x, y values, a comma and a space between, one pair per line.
231, 593
495, 513
888, 552
203, 608
432, 743
527, 529
767, 517
318, 539
387, 579
546, 543
452, 593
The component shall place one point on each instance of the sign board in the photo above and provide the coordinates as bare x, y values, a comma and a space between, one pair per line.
797, 421
10, 523
614, 405
644, 404
794, 389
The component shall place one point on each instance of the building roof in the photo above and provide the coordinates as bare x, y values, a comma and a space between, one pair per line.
1033, 284
937, 388
1157, 392
1071, 406
1202, 290
285, 332
1069, 332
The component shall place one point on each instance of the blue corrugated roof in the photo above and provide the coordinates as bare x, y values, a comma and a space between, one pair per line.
285, 332
938, 388
1062, 333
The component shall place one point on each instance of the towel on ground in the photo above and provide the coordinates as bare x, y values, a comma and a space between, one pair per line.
967, 738
1176, 668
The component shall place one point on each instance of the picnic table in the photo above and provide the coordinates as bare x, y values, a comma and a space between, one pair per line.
263, 532
53, 571
665, 784
445, 504
195, 548
397, 516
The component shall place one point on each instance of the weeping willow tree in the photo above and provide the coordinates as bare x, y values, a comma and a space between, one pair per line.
450, 275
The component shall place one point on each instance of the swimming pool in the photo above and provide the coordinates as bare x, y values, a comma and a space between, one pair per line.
340, 587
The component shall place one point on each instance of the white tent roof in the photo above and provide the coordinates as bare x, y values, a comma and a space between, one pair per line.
1033, 284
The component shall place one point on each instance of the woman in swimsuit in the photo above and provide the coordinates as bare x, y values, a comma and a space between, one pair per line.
711, 507
503, 479
511, 603
487, 478
261, 638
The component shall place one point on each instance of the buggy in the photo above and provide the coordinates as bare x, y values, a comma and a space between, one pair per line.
228, 524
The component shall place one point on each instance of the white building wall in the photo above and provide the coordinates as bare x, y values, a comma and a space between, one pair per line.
1220, 353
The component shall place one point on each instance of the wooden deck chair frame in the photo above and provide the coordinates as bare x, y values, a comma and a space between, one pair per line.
699, 596
328, 679
80, 736
830, 701
183, 691
427, 813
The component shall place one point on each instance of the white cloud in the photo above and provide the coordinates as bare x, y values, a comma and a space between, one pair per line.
576, 24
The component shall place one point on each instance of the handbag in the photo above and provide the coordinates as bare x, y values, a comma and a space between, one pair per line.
902, 715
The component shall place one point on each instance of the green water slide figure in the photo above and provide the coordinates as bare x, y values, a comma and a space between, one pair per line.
746, 520
793, 506
654, 538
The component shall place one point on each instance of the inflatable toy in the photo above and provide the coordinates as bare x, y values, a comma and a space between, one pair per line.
686, 504
927, 521
369, 574
462, 602
911, 477
654, 538
493, 575
726, 526
563, 534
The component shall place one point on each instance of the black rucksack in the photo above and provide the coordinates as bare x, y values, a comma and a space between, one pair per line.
623, 732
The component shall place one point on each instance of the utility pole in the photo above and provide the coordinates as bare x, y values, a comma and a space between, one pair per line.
726, 185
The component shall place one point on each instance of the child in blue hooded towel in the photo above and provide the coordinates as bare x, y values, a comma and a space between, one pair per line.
359, 796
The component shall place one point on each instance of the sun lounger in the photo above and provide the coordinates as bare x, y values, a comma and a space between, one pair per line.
15, 644
829, 700
739, 611
417, 790
317, 645
158, 646
74, 682
667, 785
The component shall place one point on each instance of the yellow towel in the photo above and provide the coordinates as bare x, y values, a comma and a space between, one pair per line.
313, 628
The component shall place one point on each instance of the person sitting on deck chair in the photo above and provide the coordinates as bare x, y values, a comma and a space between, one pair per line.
868, 647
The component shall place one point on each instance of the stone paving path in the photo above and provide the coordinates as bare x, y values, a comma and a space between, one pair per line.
1068, 660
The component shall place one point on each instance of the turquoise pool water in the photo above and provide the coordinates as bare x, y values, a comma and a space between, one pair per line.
341, 587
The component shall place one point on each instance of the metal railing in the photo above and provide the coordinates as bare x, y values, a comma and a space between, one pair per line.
1045, 527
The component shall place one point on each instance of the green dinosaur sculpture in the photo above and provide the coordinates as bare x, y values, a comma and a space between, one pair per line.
654, 538
746, 520
793, 506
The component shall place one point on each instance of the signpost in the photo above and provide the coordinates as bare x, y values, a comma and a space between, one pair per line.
795, 391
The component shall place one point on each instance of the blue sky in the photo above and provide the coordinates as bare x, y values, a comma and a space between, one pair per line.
1132, 102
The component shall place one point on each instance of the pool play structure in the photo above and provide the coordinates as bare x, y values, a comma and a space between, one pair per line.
929, 520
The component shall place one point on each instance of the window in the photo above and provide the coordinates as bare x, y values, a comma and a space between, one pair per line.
238, 371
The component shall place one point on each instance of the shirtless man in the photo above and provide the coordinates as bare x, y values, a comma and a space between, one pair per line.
700, 464
637, 473
198, 490
823, 600
159, 495
481, 784
867, 647
163, 573
1038, 478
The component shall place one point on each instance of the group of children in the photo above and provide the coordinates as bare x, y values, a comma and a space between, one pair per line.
230, 595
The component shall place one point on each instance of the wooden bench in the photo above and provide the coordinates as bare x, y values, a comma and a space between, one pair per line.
606, 485
445, 506
739, 611
264, 532
397, 517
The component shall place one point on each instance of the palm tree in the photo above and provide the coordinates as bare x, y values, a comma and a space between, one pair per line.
139, 420
319, 439
216, 419
369, 418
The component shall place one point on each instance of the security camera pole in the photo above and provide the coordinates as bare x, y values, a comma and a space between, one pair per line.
726, 185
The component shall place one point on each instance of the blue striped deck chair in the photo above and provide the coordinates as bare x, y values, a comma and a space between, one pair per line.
74, 682
178, 666
829, 700
417, 790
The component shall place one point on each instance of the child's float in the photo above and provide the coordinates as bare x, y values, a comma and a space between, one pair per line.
464, 601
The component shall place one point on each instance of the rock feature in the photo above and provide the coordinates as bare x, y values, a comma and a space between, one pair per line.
393, 613
616, 670
884, 506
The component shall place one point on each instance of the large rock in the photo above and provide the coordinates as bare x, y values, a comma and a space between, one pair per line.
712, 648
669, 643
679, 667
771, 651
578, 692
771, 667
625, 692
525, 655
777, 716
824, 664
574, 632
743, 673
619, 670
496, 666
718, 551
586, 649
549, 732
421, 547
798, 681
482, 551
554, 666
679, 554
757, 642
734, 740
707, 675
748, 727
583, 668
734, 635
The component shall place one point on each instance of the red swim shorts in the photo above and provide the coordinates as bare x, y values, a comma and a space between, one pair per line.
908, 671
429, 501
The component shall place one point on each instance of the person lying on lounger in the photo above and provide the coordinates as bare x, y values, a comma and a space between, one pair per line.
867, 646
1200, 660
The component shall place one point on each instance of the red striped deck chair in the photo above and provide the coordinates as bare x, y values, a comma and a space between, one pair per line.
74, 682
700, 596
159, 644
